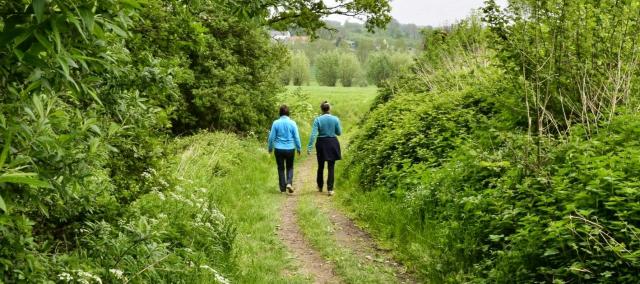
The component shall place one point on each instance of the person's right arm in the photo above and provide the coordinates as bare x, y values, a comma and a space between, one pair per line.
338, 127
314, 133
272, 137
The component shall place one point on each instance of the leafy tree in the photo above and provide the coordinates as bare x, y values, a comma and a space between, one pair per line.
308, 15
89, 89
348, 69
400, 62
382, 66
379, 68
327, 68
64, 117
579, 58
299, 69
228, 77
285, 76
364, 47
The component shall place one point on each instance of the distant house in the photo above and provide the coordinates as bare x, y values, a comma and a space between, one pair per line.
280, 36
299, 39
341, 42
351, 44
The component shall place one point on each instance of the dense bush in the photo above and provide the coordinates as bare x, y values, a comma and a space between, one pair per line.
230, 66
326, 66
348, 69
382, 66
299, 69
468, 194
89, 91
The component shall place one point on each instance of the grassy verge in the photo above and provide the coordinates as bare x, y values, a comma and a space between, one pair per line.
248, 195
383, 218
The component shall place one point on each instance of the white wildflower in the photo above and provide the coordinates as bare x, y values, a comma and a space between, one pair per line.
64, 276
86, 276
117, 273
146, 175
160, 195
219, 278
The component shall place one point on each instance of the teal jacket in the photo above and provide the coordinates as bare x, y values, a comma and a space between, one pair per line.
325, 125
284, 135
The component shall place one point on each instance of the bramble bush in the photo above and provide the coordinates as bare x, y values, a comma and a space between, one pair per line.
453, 176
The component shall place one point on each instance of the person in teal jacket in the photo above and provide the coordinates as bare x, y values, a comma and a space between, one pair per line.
284, 140
326, 128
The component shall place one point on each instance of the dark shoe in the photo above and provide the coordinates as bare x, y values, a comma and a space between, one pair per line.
319, 189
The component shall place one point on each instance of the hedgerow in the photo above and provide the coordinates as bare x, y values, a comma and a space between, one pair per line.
90, 94
454, 175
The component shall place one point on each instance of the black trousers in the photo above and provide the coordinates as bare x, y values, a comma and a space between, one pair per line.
284, 160
320, 179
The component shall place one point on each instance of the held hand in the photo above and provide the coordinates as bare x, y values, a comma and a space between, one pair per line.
299, 153
308, 152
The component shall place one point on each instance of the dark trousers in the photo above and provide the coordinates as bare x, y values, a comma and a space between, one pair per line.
320, 178
284, 159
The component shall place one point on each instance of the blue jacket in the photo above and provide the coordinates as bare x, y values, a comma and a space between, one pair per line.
284, 135
325, 125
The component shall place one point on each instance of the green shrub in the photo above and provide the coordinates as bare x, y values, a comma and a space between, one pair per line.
382, 66
348, 69
452, 176
327, 68
300, 69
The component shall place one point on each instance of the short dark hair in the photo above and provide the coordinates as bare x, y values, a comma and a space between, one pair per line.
325, 107
284, 110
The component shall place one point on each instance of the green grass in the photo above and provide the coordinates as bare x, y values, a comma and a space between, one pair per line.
240, 176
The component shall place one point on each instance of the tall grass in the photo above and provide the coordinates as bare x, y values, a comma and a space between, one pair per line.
247, 195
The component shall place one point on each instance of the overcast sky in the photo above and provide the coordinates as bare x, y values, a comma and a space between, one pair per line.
432, 12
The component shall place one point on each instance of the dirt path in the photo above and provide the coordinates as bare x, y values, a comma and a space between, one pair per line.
310, 261
361, 243
346, 233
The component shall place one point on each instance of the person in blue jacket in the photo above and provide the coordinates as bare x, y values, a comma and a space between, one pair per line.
284, 140
326, 128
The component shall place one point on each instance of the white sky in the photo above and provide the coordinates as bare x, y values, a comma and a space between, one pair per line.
431, 12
